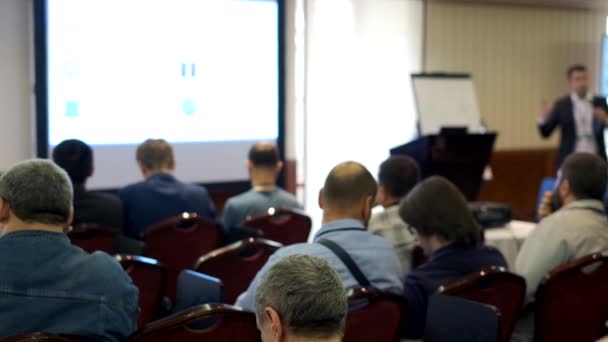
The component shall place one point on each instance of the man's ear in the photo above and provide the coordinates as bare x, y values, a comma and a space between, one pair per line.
564, 188
5, 211
366, 208
320, 200
141, 167
249, 165
71, 217
276, 326
380, 195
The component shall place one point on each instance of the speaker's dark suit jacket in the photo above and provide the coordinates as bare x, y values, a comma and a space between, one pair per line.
563, 116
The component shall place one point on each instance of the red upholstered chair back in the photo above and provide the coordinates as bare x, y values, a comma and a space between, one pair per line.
233, 325
150, 277
572, 301
287, 226
92, 237
237, 264
178, 242
374, 316
39, 337
496, 287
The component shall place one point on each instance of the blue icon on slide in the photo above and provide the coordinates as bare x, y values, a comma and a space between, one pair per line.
71, 109
185, 70
189, 107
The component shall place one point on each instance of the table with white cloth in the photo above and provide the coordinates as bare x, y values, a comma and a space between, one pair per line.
509, 238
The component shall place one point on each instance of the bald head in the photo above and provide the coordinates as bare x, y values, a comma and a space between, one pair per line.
347, 187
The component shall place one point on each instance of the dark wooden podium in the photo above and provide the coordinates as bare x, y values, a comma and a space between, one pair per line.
461, 158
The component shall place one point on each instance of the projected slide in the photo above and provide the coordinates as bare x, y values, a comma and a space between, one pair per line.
202, 74
189, 71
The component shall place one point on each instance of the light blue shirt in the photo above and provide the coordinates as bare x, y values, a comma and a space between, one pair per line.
374, 255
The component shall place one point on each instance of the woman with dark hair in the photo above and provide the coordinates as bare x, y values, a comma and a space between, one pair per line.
438, 215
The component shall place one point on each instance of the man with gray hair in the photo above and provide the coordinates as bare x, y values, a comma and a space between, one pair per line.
47, 284
301, 298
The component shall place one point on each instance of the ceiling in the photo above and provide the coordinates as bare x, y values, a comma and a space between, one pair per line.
583, 4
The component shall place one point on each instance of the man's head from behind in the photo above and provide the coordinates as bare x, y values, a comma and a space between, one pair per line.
264, 158
439, 214
583, 176
349, 192
302, 298
155, 156
396, 177
76, 158
578, 79
35, 193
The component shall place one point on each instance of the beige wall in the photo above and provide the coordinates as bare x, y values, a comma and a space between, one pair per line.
15, 84
517, 55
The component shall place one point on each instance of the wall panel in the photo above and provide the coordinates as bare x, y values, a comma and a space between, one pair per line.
517, 55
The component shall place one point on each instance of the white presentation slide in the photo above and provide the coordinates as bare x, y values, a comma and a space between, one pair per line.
193, 72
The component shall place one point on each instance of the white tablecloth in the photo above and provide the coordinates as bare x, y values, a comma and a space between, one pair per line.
508, 239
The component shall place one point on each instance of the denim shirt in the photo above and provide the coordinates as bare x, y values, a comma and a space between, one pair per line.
51, 286
374, 256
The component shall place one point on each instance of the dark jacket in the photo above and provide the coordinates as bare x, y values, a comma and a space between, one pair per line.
158, 198
444, 266
563, 116
97, 208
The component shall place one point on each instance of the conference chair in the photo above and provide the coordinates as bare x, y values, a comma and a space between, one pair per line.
178, 242
237, 264
230, 324
40, 337
92, 237
194, 288
571, 301
456, 319
496, 287
374, 316
150, 277
287, 226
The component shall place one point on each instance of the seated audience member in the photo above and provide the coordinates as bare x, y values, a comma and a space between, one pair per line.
447, 232
264, 167
160, 196
346, 199
301, 298
47, 284
397, 176
76, 158
578, 228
